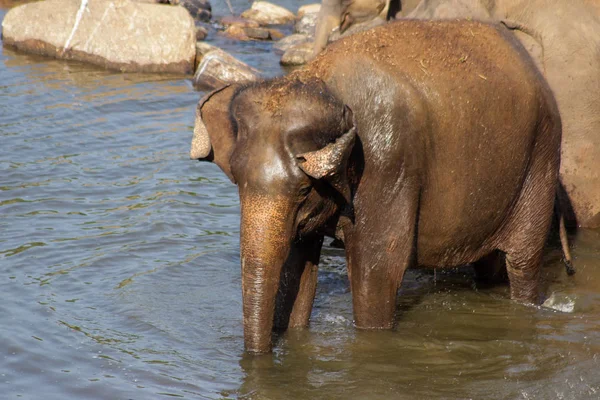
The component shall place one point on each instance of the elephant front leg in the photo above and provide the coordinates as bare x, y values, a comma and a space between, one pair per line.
379, 249
298, 284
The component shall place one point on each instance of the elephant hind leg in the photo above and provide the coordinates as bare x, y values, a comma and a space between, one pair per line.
526, 232
524, 273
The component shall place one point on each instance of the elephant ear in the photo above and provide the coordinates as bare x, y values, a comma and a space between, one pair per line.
214, 136
330, 162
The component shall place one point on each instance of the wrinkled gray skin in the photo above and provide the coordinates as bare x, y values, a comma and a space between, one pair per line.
427, 143
563, 37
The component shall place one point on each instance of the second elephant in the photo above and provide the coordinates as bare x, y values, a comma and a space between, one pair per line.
563, 37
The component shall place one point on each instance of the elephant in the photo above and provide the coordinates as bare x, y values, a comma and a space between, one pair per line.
564, 40
428, 143
359, 14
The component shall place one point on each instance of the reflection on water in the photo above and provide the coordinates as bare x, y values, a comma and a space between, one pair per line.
121, 278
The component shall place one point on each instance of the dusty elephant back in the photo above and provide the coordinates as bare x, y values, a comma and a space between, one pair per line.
563, 38
469, 102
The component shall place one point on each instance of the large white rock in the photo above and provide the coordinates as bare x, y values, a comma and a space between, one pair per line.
266, 13
115, 34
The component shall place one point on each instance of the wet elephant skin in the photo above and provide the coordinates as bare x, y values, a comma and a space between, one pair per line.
426, 143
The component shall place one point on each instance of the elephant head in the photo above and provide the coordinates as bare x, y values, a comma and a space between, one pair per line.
286, 144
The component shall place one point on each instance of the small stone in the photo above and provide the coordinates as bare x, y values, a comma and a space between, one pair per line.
240, 32
198, 9
290, 41
275, 34
257, 33
237, 32
233, 20
297, 55
218, 68
266, 13
201, 33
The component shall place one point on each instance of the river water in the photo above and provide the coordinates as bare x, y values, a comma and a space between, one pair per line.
120, 272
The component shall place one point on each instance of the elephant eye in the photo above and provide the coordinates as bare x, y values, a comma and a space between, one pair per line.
305, 190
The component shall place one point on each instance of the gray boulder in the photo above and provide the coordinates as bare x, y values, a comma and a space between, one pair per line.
291, 41
115, 34
217, 68
307, 22
297, 55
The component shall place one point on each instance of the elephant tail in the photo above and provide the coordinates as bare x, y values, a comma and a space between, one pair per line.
564, 240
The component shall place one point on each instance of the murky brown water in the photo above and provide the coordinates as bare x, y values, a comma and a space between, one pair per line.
120, 271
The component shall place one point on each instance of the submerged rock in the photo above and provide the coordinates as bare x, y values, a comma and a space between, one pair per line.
115, 34
266, 13
240, 32
233, 20
217, 68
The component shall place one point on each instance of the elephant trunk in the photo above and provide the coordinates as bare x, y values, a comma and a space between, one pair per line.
266, 233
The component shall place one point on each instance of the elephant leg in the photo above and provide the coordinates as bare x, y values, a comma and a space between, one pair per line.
527, 230
298, 284
524, 276
379, 249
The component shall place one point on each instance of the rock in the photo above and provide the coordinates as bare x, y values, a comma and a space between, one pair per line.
218, 68
258, 33
275, 34
240, 32
309, 9
263, 34
306, 24
233, 20
201, 33
198, 9
290, 41
202, 48
297, 55
266, 13
237, 32
114, 34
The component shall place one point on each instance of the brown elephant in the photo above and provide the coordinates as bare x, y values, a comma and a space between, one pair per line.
563, 37
428, 143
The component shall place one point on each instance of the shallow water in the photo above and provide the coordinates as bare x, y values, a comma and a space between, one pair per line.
120, 270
